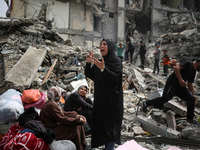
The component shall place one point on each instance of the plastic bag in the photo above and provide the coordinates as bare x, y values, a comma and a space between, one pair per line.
38, 104
32, 95
62, 145
11, 106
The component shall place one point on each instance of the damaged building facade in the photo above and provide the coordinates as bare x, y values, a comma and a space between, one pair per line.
86, 22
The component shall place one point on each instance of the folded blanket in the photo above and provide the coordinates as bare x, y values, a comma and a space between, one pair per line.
23, 141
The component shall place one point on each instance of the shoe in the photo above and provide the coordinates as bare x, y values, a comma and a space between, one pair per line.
144, 107
153, 72
193, 121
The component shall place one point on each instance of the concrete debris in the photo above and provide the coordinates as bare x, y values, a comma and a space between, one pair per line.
192, 133
22, 74
34, 55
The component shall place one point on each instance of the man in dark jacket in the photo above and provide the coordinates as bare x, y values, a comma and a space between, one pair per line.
130, 46
142, 53
176, 86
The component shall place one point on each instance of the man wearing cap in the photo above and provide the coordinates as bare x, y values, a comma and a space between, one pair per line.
120, 50
176, 86
157, 59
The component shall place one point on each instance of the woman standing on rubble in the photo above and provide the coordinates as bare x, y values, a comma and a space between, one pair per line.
108, 96
66, 125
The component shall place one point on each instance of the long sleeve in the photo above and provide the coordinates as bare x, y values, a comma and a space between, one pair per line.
78, 100
53, 114
89, 71
111, 76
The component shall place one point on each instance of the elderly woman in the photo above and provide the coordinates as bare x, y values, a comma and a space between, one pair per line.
108, 96
66, 125
78, 102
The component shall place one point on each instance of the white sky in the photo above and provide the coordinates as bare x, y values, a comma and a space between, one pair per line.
3, 8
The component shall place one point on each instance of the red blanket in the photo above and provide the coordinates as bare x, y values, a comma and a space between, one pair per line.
23, 141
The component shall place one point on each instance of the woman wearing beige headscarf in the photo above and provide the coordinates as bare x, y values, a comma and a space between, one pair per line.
66, 125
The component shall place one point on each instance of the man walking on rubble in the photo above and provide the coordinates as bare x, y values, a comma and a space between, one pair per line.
130, 46
157, 59
142, 53
176, 86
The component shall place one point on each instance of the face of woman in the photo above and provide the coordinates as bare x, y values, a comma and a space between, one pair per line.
83, 91
103, 48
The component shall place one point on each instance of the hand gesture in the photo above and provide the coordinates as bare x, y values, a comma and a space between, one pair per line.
82, 119
89, 57
99, 64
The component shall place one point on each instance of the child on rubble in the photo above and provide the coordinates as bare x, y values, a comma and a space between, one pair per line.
166, 62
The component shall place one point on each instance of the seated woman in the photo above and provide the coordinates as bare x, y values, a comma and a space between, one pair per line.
66, 125
78, 102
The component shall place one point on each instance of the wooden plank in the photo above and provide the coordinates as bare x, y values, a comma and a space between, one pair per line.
50, 70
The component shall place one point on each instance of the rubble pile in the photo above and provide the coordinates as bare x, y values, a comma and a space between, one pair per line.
35, 56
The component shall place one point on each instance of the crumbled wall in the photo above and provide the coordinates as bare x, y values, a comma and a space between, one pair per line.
61, 15
157, 17
110, 27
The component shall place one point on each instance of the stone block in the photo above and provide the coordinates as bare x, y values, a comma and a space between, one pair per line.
157, 128
23, 73
176, 107
171, 120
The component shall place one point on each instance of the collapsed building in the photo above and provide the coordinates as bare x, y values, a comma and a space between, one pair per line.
54, 52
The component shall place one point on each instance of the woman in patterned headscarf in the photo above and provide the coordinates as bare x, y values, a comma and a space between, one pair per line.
108, 96
66, 125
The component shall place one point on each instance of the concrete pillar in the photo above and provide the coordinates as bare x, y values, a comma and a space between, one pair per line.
121, 21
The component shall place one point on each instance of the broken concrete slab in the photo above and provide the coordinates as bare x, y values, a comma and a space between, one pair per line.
157, 128
192, 133
140, 78
23, 73
171, 120
176, 107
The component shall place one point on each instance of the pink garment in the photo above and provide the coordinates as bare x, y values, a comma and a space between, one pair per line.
174, 148
37, 104
131, 145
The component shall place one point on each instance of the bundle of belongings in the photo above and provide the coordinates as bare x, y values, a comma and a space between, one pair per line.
13, 103
27, 133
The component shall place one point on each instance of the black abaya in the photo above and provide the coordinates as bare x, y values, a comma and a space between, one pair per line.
108, 99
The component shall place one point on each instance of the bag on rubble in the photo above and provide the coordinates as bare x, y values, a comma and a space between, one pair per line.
62, 145
32, 95
11, 106
38, 104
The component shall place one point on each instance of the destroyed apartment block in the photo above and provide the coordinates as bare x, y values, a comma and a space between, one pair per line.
85, 23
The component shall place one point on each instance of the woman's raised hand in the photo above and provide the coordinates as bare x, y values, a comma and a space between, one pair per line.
89, 57
99, 64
